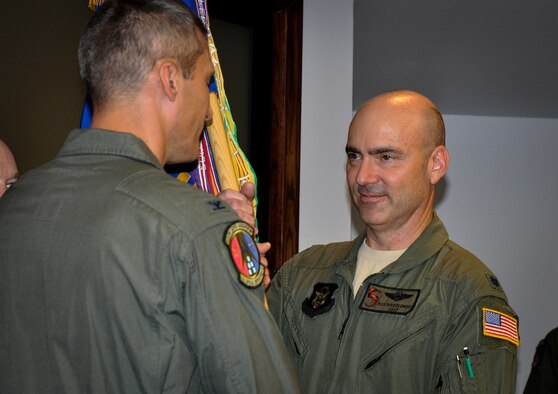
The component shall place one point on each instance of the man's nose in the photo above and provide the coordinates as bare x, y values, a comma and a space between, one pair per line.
367, 172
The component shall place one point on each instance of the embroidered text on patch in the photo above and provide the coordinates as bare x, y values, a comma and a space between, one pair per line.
383, 299
499, 325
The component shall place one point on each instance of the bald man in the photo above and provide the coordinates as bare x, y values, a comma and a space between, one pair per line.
8, 168
402, 308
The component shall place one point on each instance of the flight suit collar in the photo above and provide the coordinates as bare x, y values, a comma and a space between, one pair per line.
106, 142
347, 268
427, 244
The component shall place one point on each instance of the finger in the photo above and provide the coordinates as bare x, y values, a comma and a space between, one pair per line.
248, 190
266, 279
263, 247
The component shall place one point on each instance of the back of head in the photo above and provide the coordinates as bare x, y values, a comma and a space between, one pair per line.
125, 38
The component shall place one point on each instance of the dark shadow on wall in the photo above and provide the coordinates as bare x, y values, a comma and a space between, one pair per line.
41, 90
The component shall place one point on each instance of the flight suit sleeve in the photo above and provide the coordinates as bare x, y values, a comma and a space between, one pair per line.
543, 377
479, 353
275, 298
236, 341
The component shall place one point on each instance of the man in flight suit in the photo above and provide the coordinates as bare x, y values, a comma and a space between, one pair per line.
114, 276
544, 369
402, 308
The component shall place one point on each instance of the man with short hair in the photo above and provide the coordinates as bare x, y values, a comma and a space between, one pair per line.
402, 308
114, 276
8, 168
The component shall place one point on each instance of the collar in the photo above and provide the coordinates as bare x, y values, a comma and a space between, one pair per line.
427, 245
110, 143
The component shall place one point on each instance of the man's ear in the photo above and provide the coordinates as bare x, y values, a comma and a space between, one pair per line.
168, 75
439, 161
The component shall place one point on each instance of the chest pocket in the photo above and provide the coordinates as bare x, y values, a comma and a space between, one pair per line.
403, 361
313, 340
293, 333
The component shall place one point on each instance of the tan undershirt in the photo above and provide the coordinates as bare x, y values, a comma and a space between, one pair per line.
371, 261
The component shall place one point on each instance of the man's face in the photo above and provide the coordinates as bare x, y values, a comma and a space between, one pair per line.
8, 169
387, 167
195, 111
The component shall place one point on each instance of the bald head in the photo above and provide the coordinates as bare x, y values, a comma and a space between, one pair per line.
395, 157
8, 168
419, 109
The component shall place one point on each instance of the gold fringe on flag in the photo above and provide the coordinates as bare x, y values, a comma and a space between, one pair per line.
220, 147
240, 166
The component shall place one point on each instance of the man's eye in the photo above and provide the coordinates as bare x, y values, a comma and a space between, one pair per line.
387, 158
353, 156
10, 183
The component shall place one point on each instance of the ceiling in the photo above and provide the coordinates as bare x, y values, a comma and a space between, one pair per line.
493, 58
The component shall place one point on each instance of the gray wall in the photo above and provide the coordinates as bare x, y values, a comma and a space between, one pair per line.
495, 58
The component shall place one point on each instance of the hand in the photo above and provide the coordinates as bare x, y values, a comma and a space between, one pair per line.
241, 203
263, 248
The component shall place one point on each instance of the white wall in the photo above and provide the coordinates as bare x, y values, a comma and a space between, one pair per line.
500, 194
327, 80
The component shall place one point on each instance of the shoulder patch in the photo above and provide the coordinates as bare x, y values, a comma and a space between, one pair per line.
499, 325
244, 254
494, 282
539, 353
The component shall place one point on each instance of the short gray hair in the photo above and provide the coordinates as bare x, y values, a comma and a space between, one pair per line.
125, 38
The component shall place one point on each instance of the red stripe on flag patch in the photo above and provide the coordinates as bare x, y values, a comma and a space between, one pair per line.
499, 325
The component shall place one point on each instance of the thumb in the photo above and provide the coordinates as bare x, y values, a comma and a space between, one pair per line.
249, 190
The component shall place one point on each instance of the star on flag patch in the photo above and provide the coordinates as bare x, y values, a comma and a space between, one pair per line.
499, 325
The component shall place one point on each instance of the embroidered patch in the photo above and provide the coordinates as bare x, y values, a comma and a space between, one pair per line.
499, 325
321, 299
383, 299
244, 254
539, 353
494, 282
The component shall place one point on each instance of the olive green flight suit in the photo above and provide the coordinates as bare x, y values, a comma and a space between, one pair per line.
406, 327
116, 278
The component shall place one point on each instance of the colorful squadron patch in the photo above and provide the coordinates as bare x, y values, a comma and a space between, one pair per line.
244, 253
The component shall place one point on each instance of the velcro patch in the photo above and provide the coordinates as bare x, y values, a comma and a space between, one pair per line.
494, 282
383, 299
244, 254
321, 299
499, 325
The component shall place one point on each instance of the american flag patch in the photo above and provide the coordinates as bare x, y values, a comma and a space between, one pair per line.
499, 325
